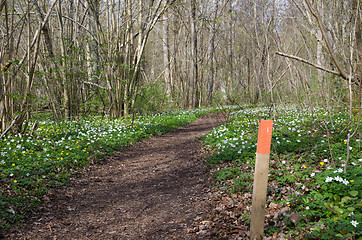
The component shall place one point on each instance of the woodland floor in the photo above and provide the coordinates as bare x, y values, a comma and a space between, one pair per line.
156, 189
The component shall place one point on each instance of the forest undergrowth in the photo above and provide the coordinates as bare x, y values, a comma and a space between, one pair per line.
31, 165
309, 195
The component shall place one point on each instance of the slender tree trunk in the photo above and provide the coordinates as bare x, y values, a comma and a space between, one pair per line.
2, 5
66, 97
166, 55
142, 37
51, 57
32, 58
212, 54
195, 94
319, 55
230, 46
92, 44
358, 35
128, 57
4, 57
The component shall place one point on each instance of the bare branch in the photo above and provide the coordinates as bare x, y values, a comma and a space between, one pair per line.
10, 127
37, 34
97, 85
84, 27
346, 77
2, 5
315, 13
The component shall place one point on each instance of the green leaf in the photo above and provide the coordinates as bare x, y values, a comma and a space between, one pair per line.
359, 205
337, 198
338, 210
353, 193
351, 209
345, 199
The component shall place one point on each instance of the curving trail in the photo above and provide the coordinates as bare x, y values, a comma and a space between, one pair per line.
152, 190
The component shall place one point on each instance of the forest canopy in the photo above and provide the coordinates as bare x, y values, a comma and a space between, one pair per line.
66, 58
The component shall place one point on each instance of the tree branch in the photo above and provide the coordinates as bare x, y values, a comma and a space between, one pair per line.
97, 85
2, 5
317, 66
10, 127
36, 36
315, 13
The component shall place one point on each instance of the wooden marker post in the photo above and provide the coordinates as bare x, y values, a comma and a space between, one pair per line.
260, 179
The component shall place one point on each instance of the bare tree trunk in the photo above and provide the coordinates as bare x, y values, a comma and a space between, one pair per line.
212, 54
230, 46
92, 44
4, 57
128, 57
32, 60
195, 94
319, 54
66, 97
321, 26
32, 56
51, 57
166, 55
2, 5
138, 55
358, 35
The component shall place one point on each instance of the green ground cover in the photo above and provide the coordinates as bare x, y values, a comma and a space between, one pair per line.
31, 165
309, 195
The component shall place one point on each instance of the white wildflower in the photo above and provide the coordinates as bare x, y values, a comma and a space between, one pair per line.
354, 223
338, 179
329, 179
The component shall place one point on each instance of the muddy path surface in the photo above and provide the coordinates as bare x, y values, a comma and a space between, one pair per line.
152, 190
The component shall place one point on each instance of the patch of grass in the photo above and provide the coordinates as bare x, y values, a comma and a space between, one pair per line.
306, 168
30, 166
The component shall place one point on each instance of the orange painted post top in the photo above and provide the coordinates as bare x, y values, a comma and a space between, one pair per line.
264, 136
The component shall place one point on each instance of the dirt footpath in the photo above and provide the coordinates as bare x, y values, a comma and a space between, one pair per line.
152, 190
